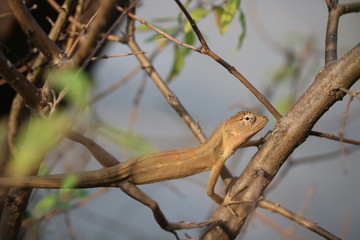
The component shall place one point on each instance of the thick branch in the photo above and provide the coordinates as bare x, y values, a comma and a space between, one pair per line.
289, 133
21, 85
35, 33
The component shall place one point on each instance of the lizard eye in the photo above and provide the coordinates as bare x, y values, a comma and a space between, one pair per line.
249, 119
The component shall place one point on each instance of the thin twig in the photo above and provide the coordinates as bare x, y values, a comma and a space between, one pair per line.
342, 129
206, 50
129, 75
282, 231
346, 112
81, 33
57, 8
333, 137
352, 94
276, 208
194, 26
108, 32
170, 97
171, 38
117, 55
86, 45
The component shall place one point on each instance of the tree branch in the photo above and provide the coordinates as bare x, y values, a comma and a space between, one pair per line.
276, 208
336, 10
164, 34
86, 44
290, 132
206, 50
333, 137
35, 33
30, 93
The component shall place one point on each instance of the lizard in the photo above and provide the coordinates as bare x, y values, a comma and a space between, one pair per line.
163, 165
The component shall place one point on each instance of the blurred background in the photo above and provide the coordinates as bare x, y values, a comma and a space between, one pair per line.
282, 52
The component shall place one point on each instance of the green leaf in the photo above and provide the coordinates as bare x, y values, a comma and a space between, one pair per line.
196, 14
218, 10
178, 63
34, 141
70, 181
228, 14
242, 21
283, 104
76, 82
143, 28
190, 39
67, 193
45, 205
43, 170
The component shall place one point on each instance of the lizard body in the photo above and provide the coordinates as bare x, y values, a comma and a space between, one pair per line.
163, 165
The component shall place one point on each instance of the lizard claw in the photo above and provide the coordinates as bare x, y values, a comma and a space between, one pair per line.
230, 202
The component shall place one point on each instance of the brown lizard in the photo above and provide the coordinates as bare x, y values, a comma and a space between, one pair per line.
163, 165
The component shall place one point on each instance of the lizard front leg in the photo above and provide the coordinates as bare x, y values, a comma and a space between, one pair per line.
214, 175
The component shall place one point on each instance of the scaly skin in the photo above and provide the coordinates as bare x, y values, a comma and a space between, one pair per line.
164, 165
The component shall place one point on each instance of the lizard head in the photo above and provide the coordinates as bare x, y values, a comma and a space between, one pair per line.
239, 128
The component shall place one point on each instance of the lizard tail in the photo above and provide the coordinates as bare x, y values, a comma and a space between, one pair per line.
51, 181
87, 179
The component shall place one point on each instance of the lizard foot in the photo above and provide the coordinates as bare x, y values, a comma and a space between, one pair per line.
230, 202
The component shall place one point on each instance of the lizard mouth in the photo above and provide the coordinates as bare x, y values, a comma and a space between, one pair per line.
260, 124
